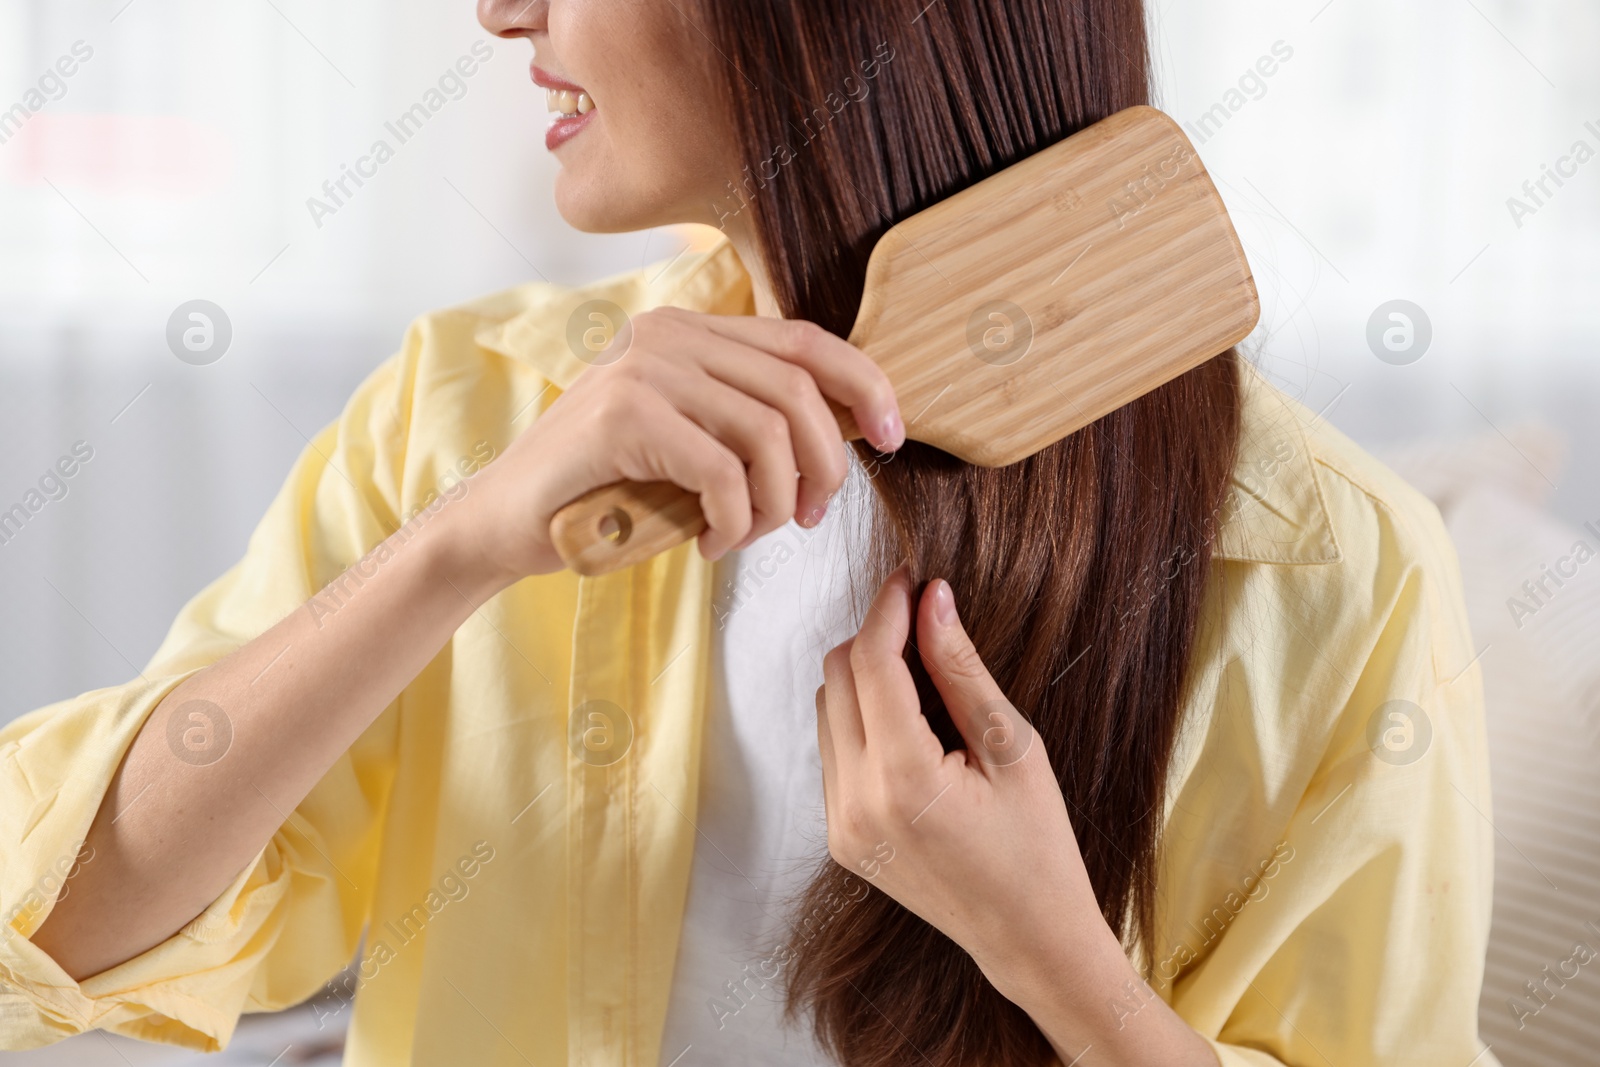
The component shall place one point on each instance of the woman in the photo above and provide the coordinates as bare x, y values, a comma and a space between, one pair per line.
1201, 777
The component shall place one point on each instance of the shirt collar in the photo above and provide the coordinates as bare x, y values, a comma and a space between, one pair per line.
547, 332
1274, 511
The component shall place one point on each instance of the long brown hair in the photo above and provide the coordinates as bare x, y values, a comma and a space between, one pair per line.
1078, 572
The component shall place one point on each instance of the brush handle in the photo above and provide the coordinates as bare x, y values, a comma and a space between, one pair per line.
624, 523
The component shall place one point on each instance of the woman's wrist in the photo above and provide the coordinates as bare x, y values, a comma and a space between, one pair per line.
457, 547
1082, 992
1061, 974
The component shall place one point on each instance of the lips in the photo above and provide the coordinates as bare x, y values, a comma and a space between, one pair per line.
571, 107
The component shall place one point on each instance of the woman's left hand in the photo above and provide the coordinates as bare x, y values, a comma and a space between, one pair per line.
978, 841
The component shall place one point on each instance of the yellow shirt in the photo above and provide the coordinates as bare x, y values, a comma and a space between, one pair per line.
1327, 874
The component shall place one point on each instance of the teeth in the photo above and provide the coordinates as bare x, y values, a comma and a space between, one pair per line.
567, 102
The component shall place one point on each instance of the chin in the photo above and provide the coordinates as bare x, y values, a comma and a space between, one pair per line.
597, 207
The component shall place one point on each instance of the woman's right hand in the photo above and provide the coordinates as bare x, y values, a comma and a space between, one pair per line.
729, 407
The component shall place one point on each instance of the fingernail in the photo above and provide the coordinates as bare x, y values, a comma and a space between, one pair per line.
891, 433
944, 603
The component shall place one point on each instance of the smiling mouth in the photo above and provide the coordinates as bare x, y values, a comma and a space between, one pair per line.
571, 107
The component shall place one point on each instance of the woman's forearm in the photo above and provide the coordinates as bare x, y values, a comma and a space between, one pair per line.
193, 803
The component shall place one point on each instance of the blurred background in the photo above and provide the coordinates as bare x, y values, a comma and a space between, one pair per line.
1434, 160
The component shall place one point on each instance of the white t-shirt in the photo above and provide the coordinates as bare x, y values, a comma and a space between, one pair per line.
781, 603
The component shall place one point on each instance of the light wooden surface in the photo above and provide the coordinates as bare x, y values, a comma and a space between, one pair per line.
1015, 312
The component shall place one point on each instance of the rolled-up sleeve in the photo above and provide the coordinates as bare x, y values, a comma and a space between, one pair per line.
290, 920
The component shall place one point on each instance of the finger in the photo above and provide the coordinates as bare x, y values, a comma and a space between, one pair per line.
818, 453
891, 713
752, 430
825, 748
847, 741
992, 728
841, 370
679, 451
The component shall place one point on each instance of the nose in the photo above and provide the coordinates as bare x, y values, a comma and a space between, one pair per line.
514, 18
